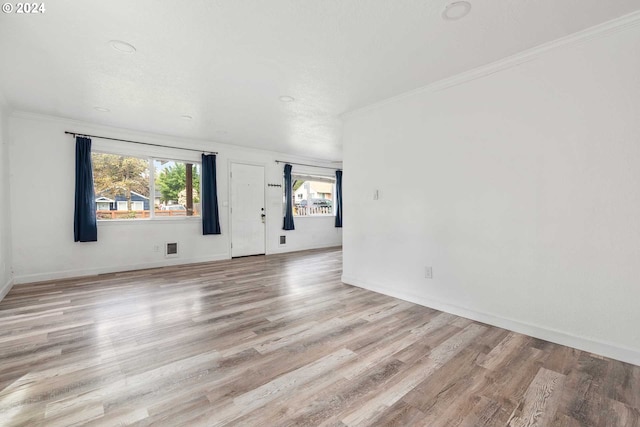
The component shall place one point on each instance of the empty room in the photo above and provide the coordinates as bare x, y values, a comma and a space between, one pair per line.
320, 213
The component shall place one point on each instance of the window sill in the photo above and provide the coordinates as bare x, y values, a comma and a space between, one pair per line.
315, 216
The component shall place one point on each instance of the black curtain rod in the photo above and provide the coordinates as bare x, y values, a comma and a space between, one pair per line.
304, 164
137, 142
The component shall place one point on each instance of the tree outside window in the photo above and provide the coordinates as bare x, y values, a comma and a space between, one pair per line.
178, 185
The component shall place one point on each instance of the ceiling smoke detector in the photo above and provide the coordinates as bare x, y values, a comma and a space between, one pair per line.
287, 98
122, 47
456, 10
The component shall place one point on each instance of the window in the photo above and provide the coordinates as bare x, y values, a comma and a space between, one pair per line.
124, 187
177, 188
312, 195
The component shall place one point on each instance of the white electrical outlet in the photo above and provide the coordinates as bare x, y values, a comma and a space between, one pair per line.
428, 273
156, 248
376, 194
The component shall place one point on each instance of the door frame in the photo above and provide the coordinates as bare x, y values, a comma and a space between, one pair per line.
264, 200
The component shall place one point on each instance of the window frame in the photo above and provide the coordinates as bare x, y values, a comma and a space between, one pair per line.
152, 184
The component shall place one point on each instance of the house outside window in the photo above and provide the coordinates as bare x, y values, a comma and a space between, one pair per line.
103, 203
312, 195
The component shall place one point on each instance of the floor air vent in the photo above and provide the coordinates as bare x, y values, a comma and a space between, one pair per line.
171, 250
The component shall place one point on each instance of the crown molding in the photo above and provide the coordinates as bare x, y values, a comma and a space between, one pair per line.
598, 31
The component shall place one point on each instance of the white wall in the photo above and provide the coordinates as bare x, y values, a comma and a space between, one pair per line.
5, 200
42, 202
521, 189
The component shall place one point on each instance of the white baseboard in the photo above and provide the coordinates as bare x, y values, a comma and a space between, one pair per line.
284, 249
607, 349
67, 274
4, 290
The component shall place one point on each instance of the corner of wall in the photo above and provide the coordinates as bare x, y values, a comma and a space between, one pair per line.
4, 289
6, 265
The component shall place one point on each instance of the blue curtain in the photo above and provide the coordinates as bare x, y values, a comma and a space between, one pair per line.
210, 218
85, 227
339, 199
288, 199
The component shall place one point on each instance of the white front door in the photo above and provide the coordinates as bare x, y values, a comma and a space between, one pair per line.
247, 210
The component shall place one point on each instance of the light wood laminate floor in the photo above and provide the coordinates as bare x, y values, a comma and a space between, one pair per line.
278, 341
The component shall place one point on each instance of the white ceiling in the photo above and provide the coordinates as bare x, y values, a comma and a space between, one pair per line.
226, 62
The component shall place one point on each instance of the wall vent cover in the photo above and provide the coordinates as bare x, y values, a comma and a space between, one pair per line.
283, 240
172, 250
